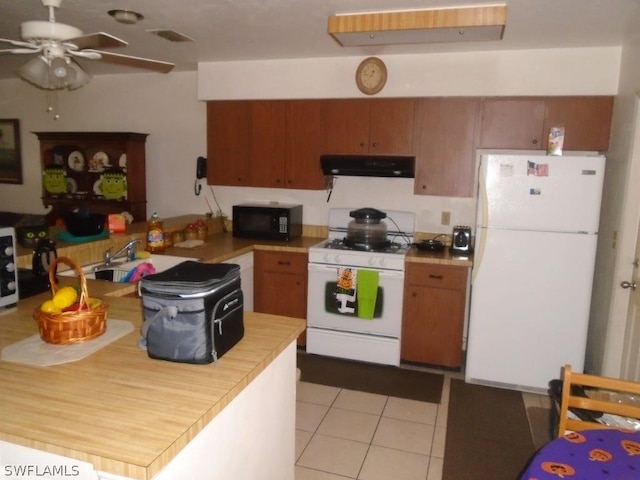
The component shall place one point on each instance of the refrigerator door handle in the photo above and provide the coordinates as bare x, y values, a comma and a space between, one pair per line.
481, 228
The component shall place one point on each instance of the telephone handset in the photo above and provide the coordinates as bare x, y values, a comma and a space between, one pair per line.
201, 172
201, 167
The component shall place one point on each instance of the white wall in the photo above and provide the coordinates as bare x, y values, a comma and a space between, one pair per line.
618, 226
168, 108
164, 106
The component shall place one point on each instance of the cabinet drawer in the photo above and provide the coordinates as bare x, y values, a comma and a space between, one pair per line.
437, 276
282, 262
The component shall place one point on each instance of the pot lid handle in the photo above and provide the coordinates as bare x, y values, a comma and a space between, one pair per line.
368, 213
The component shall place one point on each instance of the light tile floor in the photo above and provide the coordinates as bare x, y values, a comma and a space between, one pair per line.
345, 434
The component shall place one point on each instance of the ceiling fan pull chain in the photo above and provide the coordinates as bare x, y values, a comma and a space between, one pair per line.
52, 103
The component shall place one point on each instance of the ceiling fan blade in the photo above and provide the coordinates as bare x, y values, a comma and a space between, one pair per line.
89, 54
97, 40
20, 50
129, 61
18, 43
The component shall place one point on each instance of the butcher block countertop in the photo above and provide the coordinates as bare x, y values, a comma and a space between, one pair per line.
121, 411
218, 247
440, 258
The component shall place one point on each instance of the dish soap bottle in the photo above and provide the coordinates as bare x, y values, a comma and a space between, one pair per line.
155, 234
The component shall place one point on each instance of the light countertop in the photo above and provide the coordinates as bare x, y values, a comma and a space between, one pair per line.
118, 409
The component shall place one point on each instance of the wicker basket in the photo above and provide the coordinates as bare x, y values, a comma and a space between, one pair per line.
72, 326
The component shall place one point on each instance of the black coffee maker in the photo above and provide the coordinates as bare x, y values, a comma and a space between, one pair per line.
461, 240
34, 281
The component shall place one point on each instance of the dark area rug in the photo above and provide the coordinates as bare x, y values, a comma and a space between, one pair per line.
488, 434
366, 377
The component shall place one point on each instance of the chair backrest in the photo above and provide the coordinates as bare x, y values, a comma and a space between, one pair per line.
597, 403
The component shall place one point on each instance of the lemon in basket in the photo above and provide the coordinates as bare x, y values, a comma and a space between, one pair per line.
49, 307
65, 297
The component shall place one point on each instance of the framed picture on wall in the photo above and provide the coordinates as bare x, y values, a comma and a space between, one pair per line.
10, 158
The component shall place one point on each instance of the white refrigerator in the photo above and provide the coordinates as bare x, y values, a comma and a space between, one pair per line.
535, 245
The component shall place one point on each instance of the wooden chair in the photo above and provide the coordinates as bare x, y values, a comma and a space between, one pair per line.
595, 403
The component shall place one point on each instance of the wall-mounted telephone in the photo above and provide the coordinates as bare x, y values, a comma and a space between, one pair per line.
201, 172
201, 167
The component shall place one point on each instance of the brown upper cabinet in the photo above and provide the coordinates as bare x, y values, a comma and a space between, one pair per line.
524, 123
512, 123
265, 143
445, 146
587, 121
304, 145
369, 126
278, 143
228, 129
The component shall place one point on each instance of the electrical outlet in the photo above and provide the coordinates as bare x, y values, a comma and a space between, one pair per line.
446, 218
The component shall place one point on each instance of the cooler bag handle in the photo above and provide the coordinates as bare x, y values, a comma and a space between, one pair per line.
171, 311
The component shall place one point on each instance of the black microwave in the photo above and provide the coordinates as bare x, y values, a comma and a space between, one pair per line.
265, 221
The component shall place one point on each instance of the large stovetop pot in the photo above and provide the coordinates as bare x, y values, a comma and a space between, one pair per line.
366, 231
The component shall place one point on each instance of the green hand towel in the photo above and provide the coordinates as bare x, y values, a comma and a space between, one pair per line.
367, 291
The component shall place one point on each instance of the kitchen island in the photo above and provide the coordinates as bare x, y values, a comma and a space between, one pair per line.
118, 413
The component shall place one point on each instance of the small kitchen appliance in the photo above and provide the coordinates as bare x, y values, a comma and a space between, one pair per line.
461, 239
34, 281
8, 267
267, 221
355, 290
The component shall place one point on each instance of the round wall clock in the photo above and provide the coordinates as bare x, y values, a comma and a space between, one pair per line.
371, 75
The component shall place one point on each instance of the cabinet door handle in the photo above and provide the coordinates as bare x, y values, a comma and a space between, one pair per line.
437, 277
534, 141
375, 144
361, 144
284, 262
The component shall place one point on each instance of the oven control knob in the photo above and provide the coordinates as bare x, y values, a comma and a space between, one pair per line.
372, 261
337, 259
382, 262
326, 257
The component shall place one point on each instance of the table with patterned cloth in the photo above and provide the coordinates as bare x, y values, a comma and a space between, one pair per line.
600, 454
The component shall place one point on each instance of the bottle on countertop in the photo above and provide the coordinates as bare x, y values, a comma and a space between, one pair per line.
155, 234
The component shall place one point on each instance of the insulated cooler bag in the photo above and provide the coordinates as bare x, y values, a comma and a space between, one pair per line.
193, 312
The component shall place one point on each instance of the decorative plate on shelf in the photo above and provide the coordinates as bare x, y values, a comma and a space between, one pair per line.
99, 162
96, 187
76, 161
72, 186
122, 162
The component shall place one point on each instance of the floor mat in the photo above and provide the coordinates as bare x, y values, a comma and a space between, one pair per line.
488, 434
371, 378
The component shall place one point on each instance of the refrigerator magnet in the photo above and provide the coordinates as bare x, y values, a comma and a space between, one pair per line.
534, 191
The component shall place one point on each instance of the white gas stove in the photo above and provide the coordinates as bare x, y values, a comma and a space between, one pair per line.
334, 251
343, 318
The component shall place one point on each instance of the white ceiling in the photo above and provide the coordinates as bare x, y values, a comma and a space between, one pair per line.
228, 30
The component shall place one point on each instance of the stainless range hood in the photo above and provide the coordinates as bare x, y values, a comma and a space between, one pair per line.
368, 165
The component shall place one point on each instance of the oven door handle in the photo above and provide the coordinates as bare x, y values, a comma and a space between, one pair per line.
327, 268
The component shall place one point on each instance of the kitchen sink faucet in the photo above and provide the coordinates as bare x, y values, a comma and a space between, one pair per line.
129, 249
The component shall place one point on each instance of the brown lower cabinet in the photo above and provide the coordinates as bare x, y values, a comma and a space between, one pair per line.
280, 285
433, 314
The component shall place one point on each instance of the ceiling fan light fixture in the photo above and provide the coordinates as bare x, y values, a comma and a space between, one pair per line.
128, 17
55, 74
81, 78
36, 72
434, 25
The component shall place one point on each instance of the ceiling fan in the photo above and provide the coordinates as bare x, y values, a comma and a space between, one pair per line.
56, 46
